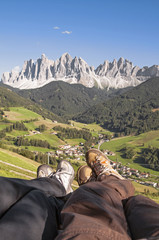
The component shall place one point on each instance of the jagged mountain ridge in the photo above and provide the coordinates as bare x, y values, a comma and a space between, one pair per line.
118, 74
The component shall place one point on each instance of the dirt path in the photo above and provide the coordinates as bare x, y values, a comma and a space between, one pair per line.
12, 165
21, 174
117, 138
19, 156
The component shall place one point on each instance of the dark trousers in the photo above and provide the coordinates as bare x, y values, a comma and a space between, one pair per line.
108, 210
143, 217
29, 209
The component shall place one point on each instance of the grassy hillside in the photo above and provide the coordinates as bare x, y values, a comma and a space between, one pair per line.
14, 165
21, 113
8, 98
147, 191
138, 143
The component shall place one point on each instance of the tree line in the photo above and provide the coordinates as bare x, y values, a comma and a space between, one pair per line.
151, 157
64, 133
39, 157
15, 126
21, 141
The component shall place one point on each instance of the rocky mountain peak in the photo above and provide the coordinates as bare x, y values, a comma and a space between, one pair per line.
120, 62
114, 62
116, 74
43, 56
66, 57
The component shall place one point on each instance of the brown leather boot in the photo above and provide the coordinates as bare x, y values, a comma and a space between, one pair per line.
100, 164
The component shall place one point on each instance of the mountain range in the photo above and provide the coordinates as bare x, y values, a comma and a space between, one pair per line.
129, 111
116, 74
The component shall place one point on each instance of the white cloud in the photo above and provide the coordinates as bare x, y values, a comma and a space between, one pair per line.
16, 69
56, 28
66, 32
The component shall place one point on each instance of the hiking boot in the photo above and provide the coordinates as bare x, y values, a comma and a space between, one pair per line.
44, 170
85, 174
100, 164
65, 175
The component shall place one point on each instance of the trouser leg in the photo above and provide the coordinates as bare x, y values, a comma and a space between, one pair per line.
11, 190
95, 211
51, 186
143, 217
33, 217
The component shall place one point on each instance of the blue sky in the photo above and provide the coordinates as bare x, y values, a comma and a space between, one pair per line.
95, 30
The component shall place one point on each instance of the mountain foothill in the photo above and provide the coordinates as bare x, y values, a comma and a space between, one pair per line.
133, 112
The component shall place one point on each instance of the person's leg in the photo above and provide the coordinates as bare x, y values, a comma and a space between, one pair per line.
32, 217
58, 185
143, 217
95, 211
28, 209
12, 190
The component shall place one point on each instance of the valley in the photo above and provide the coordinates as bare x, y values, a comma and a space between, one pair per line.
22, 151
62, 121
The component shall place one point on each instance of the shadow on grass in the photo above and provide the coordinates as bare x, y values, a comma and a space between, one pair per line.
140, 160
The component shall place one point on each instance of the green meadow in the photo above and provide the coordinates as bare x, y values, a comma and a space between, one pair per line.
93, 127
3, 126
147, 191
14, 165
13, 158
37, 149
138, 143
74, 141
20, 113
16, 133
52, 139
